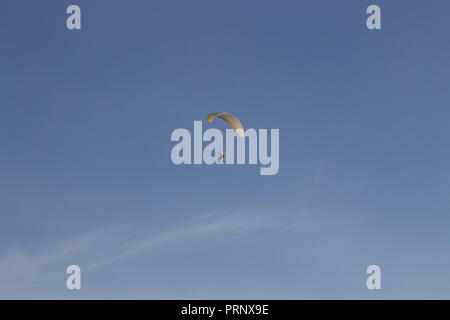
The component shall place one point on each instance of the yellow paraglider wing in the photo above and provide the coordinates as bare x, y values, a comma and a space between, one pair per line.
232, 121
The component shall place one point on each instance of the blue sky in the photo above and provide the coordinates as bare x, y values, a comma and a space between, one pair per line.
85, 170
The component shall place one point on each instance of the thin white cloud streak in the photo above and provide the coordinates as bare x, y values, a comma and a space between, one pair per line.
205, 228
109, 245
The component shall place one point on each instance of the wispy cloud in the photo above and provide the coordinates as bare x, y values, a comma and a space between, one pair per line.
196, 230
112, 244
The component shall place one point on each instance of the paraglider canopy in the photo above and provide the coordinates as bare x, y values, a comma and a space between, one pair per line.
232, 121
